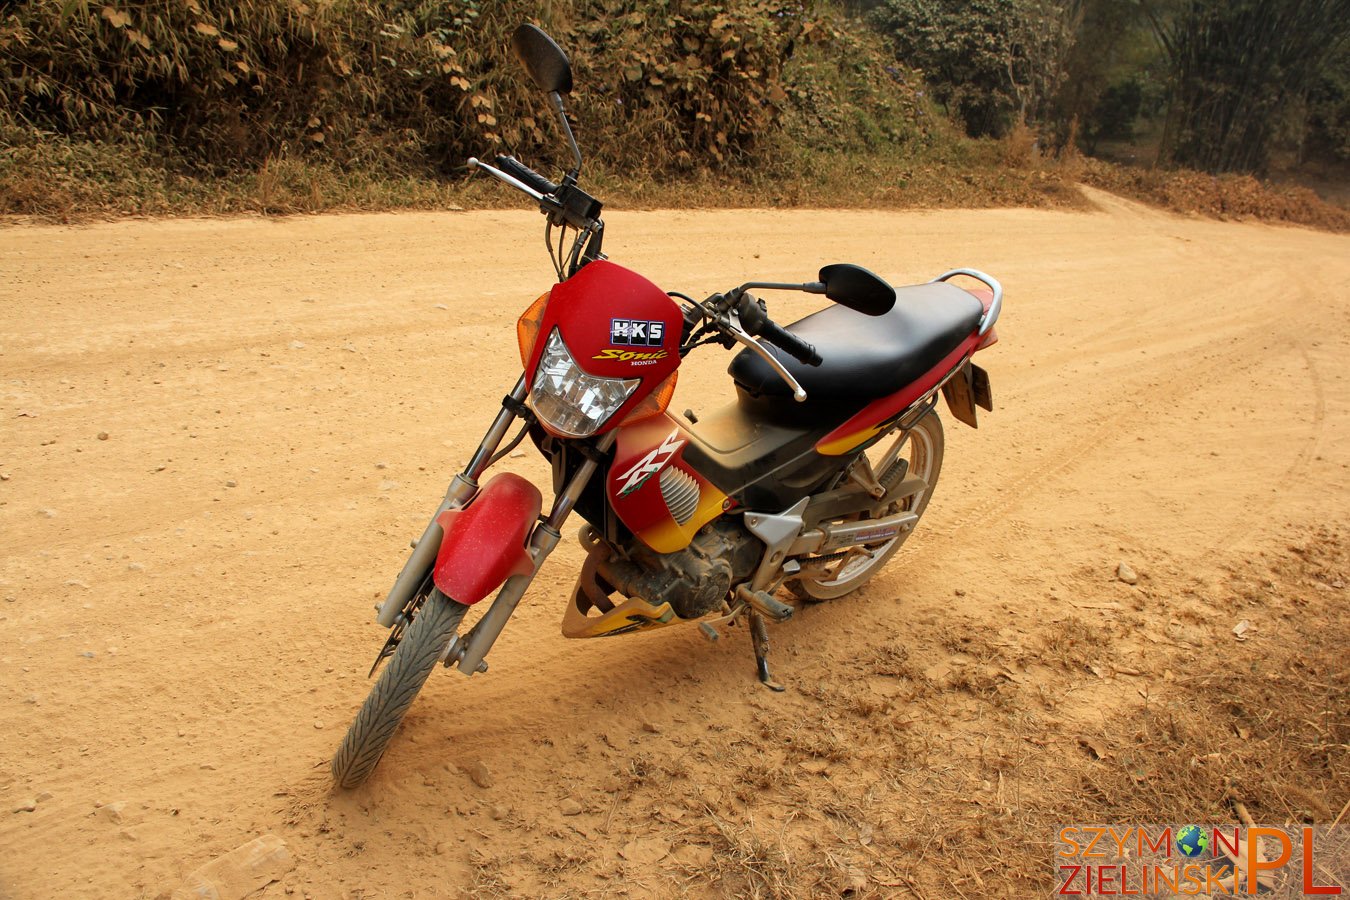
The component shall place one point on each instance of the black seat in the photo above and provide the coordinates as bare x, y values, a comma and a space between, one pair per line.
866, 357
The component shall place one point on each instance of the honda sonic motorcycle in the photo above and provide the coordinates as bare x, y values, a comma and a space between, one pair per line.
809, 482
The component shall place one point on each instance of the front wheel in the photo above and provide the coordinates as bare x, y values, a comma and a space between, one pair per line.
921, 447
416, 655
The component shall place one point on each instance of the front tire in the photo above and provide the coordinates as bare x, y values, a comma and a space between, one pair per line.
416, 655
922, 446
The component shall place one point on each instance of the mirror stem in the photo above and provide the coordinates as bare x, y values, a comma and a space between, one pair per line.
567, 127
811, 287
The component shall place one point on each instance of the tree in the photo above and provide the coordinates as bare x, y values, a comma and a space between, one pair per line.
1237, 68
1110, 74
1328, 115
992, 63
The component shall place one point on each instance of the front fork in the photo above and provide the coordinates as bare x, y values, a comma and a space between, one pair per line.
462, 489
470, 650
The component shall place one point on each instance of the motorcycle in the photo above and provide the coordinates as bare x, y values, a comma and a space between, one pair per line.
808, 483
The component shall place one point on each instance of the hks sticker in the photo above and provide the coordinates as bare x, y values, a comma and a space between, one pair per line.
636, 332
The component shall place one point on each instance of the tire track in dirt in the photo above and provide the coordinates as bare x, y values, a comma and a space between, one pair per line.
1188, 371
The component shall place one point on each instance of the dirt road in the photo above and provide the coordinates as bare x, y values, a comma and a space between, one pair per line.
217, 438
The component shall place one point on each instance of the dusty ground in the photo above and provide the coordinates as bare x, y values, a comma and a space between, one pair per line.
186, 618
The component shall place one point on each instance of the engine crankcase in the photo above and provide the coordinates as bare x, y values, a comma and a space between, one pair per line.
695, 580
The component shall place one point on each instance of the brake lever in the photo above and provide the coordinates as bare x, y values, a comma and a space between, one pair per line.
475, 162
733, 328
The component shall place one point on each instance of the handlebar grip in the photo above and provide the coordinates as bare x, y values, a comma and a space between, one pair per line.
521, 172
789, 343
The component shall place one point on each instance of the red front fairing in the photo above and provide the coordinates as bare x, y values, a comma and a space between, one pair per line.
616, 324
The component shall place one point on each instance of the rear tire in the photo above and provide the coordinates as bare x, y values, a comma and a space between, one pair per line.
416, 655
922, 447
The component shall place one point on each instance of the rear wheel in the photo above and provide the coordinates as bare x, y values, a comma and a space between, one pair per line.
841, 573
416, 655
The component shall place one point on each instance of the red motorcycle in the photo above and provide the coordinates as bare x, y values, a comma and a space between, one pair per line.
810, 481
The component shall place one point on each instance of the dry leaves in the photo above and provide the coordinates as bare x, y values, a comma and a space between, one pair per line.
1094, 747
115, 18
644, 852
1237, 881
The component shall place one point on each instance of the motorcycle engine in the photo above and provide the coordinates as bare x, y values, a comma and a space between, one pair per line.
695, 580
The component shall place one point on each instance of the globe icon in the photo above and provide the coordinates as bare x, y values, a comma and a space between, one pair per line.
1192, 841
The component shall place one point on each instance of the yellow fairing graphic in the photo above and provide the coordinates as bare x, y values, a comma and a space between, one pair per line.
633, 614
842, 445
596, 610
670, 536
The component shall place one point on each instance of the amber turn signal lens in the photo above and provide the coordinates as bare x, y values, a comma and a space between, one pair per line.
527, 328
654, 403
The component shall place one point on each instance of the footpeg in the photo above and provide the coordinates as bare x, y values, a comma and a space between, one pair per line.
765, 604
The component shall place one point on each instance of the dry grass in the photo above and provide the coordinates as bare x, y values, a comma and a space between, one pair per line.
928, 765
48, 178
1271, 728
954, 787
747, 863
1072, 643
1218, 196
973, 814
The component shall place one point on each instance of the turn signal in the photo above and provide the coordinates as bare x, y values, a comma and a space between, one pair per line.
654, 403
527, 328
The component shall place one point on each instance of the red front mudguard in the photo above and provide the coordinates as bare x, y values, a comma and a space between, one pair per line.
484, 543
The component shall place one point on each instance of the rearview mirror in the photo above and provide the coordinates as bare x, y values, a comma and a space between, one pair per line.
858, 289
543, 59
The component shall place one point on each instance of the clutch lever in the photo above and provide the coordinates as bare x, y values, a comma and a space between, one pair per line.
733, 329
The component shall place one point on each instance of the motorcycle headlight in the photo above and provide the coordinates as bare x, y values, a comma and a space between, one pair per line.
569, 401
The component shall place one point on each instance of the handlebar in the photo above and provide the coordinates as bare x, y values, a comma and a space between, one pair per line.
532, 193
735, 318
789, 343
521, 172
565, 205
754, 318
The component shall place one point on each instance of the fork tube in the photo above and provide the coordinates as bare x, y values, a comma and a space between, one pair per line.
494, 436
461, 491
542, 541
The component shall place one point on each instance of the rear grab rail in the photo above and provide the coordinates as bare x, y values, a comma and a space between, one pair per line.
991, 314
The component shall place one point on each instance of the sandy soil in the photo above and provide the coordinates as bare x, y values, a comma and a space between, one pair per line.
219, 436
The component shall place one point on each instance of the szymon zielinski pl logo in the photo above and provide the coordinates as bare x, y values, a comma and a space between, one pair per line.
1192, 860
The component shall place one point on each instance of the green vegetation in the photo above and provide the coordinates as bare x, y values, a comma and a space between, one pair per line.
993, 63
188, 106
278, 105
1228, 82
1243, 69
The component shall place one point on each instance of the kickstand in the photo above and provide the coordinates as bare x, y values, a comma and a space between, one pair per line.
759, 636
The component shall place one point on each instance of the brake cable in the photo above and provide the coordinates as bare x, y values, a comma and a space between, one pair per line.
552, 256
706, 332
515, 442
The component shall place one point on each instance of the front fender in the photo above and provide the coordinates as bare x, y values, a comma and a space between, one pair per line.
484, 543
